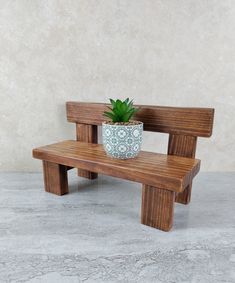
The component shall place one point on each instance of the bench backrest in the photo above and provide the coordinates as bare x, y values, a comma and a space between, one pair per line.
182, 123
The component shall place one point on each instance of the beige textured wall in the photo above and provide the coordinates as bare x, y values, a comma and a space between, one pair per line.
168, 52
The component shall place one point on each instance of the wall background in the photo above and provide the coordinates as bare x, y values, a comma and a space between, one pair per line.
162, 52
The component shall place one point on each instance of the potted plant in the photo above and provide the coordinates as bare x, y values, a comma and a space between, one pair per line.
122, 137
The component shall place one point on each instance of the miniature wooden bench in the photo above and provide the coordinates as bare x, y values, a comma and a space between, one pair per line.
166, 178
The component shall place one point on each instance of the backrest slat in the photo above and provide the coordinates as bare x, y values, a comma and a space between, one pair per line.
172, 120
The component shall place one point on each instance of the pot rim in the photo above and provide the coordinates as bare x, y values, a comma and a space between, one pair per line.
114, 125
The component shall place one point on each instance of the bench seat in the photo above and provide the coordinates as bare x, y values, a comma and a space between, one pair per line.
164, 171
163, 176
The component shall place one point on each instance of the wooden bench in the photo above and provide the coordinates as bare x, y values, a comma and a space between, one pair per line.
166, 178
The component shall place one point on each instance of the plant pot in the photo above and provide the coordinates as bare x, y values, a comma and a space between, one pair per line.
122, 141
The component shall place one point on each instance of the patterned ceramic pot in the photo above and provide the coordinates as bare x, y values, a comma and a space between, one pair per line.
122, 141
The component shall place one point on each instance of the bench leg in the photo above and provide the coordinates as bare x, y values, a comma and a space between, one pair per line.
55, 178
87, 133
181, 145
185, 196
157, 207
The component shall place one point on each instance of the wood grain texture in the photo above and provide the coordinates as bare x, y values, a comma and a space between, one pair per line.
173, 120
157, 207
185, 146
87, 133
159, 170
55, 178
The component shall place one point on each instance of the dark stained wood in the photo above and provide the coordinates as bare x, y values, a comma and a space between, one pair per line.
69, 168
185, 196
87, 133
165, 178
182, 145
158, 170
185, 146
157, 207
55, 178
173, 120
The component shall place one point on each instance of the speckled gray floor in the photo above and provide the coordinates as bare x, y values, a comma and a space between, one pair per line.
94, 233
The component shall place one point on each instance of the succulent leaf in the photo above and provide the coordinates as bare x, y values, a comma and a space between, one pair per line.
120, 111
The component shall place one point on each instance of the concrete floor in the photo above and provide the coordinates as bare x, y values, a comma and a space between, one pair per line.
94, 233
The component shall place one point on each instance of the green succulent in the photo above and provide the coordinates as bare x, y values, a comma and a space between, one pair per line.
121, 111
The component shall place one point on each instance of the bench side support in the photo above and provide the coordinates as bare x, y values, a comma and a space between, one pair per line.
157, 207
185, 146
55, 178
87, 133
